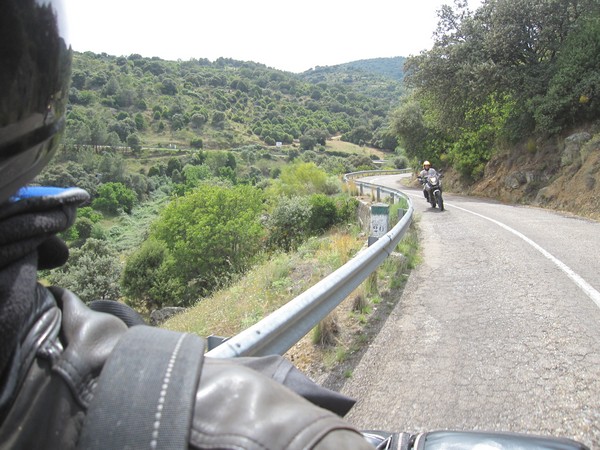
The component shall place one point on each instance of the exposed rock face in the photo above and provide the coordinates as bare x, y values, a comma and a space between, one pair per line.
561, 174
571, 153
158, 316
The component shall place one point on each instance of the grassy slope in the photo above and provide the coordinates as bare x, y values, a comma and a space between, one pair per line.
283, 277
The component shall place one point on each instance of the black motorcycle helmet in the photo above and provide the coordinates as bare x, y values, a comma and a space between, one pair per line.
35, 71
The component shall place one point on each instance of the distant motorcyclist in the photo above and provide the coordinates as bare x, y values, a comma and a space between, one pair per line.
427, 171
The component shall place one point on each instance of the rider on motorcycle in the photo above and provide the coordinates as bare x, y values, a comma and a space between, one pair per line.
427, 171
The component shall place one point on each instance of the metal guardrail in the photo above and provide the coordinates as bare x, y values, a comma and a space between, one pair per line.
368, 173
279, 331
365, 173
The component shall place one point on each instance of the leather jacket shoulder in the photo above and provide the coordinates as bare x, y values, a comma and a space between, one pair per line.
45, 394
54, 371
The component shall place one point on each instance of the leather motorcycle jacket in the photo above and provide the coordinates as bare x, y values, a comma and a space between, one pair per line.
59, 347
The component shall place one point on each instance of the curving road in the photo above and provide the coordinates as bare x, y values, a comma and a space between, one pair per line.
497, 329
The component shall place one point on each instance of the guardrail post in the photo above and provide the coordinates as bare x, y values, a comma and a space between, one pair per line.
378, 194
214, 341
361, 189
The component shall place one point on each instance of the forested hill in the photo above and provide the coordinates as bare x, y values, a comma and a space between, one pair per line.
378, 78
150, 102
188, 186
386, 67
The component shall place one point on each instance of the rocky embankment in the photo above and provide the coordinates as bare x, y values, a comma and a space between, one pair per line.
561, 174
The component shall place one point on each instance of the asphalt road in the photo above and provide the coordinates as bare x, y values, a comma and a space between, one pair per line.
497, 329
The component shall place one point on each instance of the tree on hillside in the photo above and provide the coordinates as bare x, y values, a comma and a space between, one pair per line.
145, 280
92, 271
307, 142
574, 90
168, 86
288, 222
172, 165
209, 234
68, 174
487, 74
300, 178
114, 196
198, 119
98, 132
112, 167
134, 142
194, 175
323, 213
408, 122
361, 135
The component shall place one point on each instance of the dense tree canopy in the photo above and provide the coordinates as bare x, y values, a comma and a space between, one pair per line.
222, 104
197, 243
510, 69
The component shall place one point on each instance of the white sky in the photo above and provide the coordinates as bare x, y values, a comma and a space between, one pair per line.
292, 35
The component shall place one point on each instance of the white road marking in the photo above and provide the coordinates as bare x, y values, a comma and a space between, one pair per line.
580, 282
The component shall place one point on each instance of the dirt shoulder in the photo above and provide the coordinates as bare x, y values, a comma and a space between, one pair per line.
331, 365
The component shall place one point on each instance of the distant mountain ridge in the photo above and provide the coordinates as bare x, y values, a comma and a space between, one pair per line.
380, 78
392, 67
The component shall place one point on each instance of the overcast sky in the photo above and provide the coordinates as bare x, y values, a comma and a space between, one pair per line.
292, 35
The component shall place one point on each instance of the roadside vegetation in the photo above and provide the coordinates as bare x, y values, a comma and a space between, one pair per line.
513, 71
213, 180
333, 346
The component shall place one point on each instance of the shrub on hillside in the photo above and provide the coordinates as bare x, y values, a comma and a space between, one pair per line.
323, 213
288, 222
205, 237
92, 271
114, 196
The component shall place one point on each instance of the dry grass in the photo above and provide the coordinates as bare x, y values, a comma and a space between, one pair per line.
350, 188
267, 287
338, 145
326, 331
338, 340
358, 319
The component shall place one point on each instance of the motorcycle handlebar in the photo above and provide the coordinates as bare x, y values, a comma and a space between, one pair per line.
436, 440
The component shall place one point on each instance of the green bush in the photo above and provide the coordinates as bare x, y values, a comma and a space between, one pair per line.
288, 222
572, 93
145, 280
89, 213
197, 143
346, 208
84, 227
300, 178
114, 196
92, 271
323, 213
210, 234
